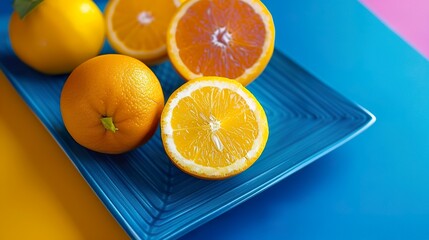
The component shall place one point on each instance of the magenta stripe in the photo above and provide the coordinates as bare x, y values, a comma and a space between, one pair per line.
408, 18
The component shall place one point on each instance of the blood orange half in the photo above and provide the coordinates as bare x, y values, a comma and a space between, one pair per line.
226, 38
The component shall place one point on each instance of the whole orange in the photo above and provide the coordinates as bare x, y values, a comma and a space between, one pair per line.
111, 103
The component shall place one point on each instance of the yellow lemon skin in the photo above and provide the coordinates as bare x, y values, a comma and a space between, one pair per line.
58, 35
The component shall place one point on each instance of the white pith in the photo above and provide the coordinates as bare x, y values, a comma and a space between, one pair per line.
225, 37
145, 18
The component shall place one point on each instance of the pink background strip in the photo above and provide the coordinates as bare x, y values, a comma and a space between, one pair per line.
408, 18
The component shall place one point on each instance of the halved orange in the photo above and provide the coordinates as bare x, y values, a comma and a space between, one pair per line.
213, 128
138, 28
227, 38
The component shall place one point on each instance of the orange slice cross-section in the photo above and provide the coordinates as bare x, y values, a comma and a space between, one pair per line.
227, 38
138, 27
213, 128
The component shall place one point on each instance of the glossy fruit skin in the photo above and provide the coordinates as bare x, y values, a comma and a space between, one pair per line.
58, 35
115, 86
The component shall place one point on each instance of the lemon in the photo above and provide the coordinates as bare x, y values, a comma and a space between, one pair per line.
57, 35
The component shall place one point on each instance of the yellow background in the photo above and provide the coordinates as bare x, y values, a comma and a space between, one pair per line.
42, 195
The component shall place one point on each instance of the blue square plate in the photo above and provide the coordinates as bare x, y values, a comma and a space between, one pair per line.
150, 197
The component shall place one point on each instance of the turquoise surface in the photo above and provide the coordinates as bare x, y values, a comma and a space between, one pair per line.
375, 186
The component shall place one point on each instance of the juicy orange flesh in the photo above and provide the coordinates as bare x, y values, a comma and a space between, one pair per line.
127, 26
238, 30
214, 127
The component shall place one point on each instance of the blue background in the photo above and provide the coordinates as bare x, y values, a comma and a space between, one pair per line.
377, 185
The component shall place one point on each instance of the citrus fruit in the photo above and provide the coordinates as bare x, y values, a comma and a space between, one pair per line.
57, 35
213, 128
138, 27
111, 103
233, 39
